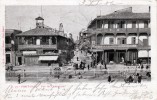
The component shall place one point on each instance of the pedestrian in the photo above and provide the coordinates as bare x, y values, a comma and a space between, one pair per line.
139, 78
109, 78
105, 66
130, 79
142, 66
24, 73
50, 71
79, 75
147, 67
88, 66
19, 78
11, 67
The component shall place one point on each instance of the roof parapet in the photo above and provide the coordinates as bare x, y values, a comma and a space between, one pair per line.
124, 10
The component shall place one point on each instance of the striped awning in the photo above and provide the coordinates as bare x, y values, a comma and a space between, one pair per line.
48, 58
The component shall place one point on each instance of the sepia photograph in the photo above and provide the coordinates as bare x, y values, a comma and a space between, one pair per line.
76, 43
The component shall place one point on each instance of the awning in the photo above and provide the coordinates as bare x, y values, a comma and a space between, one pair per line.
48, 58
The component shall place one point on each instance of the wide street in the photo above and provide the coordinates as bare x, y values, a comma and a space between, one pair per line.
68, 74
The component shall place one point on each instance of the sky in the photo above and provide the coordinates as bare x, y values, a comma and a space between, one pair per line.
73, 17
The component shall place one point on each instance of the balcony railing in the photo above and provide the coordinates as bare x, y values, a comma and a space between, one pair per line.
115, 46
37, 46
7, 45
119, 30
144, 30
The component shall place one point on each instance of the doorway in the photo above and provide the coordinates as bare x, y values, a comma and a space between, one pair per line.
122, 57
111, 56
20, 60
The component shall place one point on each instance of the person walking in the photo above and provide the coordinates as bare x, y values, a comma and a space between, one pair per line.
139, 78
88, 66
19, 78
109, 78
105, 66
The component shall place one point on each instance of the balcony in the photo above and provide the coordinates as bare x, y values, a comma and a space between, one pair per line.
144, 47
144, 30
132, 30
8, 46
119, 30
37, 46
115, 46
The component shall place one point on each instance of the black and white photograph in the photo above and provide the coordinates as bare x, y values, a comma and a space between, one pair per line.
77, 43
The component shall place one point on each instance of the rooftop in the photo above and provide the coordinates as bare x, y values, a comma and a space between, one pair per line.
125, 14
39, 18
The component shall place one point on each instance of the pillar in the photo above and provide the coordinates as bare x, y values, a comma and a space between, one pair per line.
23, 60
34, 42
105, 57
147, 39
125, 55
50, 40
115, 56
148, 56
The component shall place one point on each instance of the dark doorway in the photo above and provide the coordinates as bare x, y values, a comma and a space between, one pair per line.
122, 57
7, 58
111, 57
20, 60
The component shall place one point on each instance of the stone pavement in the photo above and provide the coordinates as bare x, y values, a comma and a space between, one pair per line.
42, 73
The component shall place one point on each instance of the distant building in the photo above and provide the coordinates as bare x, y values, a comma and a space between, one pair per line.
43, 45
11, 45
122, 36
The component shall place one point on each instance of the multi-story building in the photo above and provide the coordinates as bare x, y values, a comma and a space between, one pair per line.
11, 45
43, 45
122, 36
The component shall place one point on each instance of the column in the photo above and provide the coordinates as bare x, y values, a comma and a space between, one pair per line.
136, 56
23, 60
56, 42
126, 55
148, 39
105, 57
115, 56
148, 56
23, 40
33, 41
96, 24
115, 42
103, 39
50, 40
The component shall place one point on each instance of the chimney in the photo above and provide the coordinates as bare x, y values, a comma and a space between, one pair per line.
149, 9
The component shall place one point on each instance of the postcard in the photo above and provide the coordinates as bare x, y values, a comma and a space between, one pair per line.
82, 49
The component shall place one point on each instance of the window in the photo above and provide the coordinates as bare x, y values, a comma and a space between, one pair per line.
7, 58
121, 24
99, 24
121, 40
145, 24
145, 42
45, 41
134, 24
8, 40
111, 41
133, 40
110, 24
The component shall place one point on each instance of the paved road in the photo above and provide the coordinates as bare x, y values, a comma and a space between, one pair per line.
42, 73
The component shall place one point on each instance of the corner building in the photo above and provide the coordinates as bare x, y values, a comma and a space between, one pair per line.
122, 36
43, 45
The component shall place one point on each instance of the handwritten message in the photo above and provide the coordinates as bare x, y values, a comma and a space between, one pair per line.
76, 90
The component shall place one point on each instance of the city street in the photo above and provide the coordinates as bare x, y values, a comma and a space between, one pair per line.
68, 74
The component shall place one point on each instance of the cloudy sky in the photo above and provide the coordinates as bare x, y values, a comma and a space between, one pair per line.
74, 17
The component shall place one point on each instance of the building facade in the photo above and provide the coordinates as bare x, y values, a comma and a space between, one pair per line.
122, 36
11, 45
43, 45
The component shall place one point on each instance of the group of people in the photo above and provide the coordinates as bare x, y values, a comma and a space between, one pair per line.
135, 78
